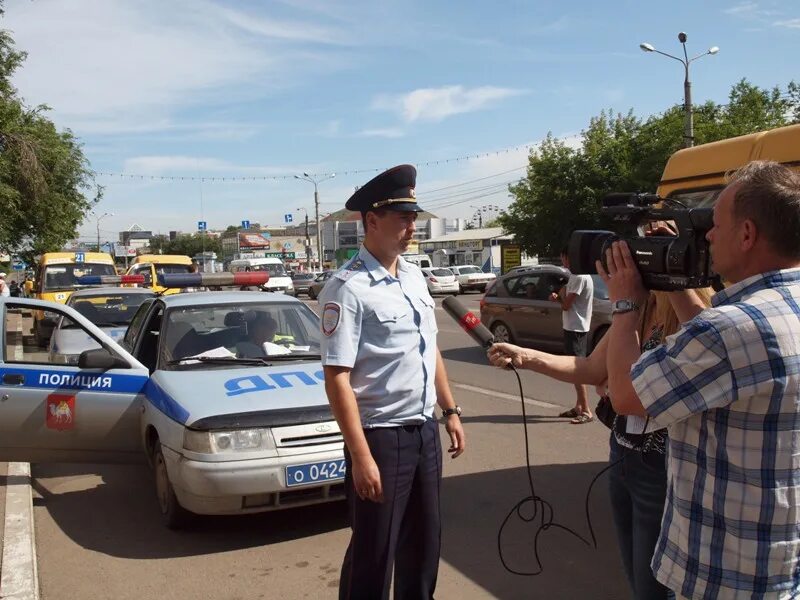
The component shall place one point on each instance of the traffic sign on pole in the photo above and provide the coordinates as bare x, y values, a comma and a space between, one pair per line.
202, 226
245, 224
288, 217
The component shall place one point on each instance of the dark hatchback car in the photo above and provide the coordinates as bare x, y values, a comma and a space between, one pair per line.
302, 281
517, 308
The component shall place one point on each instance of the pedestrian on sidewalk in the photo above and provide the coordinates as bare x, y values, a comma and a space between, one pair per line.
5, 291
575, 300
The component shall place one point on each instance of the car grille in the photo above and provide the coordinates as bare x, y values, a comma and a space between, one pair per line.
302, 436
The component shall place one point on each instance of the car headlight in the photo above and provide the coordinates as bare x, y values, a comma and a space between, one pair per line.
226, 442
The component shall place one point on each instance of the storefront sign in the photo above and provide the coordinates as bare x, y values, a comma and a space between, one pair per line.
510, 257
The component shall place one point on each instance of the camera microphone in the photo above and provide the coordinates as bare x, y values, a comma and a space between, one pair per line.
468, 322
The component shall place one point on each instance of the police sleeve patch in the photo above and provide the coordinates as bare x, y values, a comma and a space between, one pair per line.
330, 317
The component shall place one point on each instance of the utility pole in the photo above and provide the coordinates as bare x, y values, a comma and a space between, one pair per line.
307, 177
308, 242
97, 221
688, 122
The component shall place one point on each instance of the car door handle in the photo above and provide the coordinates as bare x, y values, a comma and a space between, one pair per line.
13, 379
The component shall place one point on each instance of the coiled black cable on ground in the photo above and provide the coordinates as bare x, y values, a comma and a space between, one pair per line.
540, 508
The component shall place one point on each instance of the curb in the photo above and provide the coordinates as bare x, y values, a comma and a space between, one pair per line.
18, 575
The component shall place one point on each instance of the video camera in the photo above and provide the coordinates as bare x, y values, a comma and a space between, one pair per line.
666, 262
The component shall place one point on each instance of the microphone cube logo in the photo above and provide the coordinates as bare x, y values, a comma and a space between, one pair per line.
469, 321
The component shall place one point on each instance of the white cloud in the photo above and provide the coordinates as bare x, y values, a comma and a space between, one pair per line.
436, 104
123, 65
387, 132
741, 8
790, 23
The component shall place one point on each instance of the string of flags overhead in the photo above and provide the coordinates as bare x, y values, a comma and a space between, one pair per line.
244, 178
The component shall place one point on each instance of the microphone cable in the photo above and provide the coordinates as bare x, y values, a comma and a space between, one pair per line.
534, 507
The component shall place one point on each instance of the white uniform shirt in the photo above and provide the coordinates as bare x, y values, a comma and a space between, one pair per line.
384, 329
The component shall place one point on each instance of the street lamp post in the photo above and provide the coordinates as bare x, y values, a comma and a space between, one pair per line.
308, 242
98, 219
688, 127
316, 182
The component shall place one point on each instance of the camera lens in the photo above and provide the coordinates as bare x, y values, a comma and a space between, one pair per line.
586, 247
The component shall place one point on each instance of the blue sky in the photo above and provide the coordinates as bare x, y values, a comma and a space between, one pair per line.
255, 89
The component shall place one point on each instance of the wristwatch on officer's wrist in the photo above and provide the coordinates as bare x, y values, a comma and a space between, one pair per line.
456, 410
623, 306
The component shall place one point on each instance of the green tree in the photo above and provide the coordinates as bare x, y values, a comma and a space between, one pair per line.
563, 185
43, 172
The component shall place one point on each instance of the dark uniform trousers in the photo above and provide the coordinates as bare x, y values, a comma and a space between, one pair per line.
404, 530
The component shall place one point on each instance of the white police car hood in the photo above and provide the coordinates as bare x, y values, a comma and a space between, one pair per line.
289, 393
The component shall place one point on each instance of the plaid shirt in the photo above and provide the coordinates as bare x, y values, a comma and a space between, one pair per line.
727, 386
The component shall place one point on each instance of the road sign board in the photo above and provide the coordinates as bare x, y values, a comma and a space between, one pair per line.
288, 217
202, 226
18, 266
245, 224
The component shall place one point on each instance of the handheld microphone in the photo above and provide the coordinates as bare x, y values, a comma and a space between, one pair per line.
468, 322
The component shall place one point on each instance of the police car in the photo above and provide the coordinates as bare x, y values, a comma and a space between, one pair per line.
221, 392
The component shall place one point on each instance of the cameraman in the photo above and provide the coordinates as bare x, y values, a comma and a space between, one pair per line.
727, 388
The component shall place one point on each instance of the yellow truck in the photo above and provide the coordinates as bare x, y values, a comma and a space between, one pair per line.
695, 176
56, 279
153, 265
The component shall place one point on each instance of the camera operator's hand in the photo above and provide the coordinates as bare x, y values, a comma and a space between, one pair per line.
622, 278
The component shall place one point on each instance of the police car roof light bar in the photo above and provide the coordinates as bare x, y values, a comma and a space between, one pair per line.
109, 279
183, 280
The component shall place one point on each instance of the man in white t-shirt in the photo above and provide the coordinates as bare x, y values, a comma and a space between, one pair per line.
576, 303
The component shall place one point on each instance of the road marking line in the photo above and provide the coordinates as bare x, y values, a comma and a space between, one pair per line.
504, 396
18, 577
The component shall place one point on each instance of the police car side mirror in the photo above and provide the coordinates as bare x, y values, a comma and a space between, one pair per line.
100, 358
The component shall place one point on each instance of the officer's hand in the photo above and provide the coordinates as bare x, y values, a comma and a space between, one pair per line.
502, 354
367, 479
554, 297
457, 438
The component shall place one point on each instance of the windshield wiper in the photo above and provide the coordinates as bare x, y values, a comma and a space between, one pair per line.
219, 360
303, 356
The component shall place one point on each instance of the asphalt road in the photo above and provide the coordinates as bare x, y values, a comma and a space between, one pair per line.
98, 533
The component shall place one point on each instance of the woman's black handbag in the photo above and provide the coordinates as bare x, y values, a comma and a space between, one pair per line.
604, 412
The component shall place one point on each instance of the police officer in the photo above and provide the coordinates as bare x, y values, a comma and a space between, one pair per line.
383, 376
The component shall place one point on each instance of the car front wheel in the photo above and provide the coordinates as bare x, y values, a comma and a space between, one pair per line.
312, 294
501, 333
173, 514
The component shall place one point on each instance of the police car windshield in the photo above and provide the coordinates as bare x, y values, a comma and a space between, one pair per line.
64, 277
107, 311
272, 331
273, 270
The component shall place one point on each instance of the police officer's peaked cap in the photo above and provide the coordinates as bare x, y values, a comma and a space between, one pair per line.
392, 190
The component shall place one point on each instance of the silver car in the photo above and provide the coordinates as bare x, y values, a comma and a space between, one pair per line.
111, 309
221, 392
440, 281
